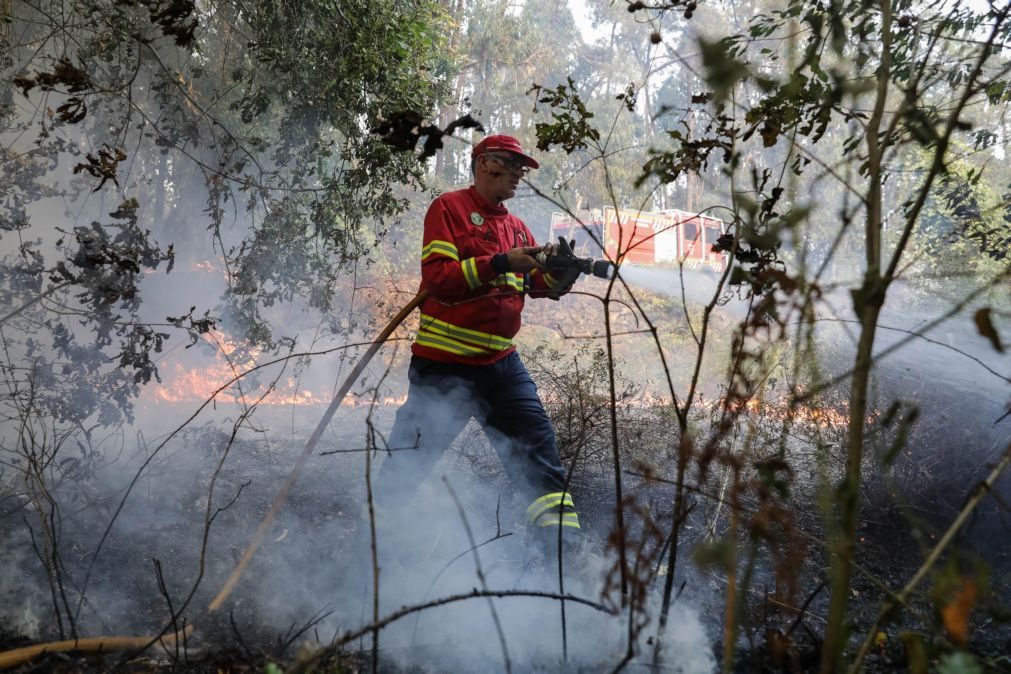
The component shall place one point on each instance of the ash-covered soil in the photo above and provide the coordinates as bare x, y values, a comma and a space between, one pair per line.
307, 586
304, 585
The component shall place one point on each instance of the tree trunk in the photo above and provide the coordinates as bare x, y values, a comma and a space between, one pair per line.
867, 303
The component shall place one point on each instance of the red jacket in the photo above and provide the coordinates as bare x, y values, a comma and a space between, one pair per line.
472, 312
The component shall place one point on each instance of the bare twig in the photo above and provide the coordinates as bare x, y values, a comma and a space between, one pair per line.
310, 445
294, 633
238, 635
480, 575
163, 590
350, 636
802, 611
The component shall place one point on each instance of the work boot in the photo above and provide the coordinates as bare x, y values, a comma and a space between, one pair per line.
583, 567
541, 555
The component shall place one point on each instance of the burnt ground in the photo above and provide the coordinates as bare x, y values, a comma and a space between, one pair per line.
287, 594
289, 585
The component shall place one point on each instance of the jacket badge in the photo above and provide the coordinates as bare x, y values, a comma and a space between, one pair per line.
476, 218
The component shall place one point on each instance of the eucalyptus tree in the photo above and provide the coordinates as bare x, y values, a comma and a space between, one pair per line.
501, 48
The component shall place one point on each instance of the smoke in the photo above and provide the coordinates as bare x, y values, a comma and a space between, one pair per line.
455, 528
924, 343
463, 636
22, 601
929, 356
435, 559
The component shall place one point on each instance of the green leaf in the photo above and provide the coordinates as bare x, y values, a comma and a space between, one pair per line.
739, 276
958, 663
723, 71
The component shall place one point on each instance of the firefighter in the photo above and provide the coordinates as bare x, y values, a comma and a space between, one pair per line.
477, 262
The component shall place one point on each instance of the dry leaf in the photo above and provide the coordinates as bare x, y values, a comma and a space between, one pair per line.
956, 613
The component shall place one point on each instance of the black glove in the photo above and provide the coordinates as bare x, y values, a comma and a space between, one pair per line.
563, 274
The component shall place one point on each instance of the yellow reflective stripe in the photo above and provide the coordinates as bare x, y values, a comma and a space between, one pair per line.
440, 248
547, 502
553, 496
469, 267
434, 341
482, 339
509, 280
552, 520
538, 509
551, 280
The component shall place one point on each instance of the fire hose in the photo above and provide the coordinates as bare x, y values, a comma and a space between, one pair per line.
17, 656
560, 260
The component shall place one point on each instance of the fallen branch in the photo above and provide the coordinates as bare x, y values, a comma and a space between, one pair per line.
408, 610
18, 656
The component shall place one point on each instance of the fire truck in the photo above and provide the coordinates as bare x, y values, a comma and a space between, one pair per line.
644, 238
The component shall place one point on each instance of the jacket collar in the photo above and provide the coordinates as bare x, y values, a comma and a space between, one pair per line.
484, 206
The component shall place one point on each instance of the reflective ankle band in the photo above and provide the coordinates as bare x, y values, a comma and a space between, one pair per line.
554, 520
551, 510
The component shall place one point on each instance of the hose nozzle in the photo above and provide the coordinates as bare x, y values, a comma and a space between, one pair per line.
563, 261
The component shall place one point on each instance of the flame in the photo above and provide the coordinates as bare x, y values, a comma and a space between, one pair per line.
181, 384
223, 380
834, 416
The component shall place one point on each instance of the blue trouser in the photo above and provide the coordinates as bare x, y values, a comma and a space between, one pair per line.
503, 398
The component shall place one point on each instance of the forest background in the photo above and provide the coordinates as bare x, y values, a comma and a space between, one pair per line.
210, 208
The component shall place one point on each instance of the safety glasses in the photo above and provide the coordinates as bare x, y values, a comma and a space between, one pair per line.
514, 164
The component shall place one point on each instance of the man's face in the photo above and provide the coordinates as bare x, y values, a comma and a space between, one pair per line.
499, 173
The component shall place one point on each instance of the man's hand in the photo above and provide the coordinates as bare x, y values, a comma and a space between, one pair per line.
564, 276
521, 260
559, 251
550, 249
